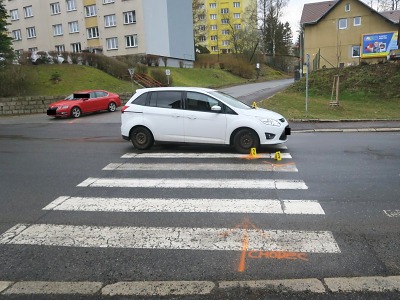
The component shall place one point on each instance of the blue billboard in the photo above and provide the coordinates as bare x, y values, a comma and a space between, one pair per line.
378, 44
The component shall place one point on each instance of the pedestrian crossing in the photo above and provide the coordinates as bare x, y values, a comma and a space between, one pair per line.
149, 170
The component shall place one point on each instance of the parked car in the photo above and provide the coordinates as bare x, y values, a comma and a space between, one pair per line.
200, 116
84, 102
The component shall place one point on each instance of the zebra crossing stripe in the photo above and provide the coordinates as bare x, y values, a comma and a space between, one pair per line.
195, 183
201, 167
183, 238
201, 155
256, 206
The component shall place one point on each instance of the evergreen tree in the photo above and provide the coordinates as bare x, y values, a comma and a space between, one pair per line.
6, 49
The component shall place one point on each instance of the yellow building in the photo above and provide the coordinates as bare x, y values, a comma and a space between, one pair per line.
217, 20
343, 33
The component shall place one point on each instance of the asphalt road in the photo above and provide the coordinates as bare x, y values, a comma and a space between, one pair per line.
332, 220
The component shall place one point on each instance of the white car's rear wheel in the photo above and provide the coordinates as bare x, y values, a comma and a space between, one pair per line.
142, 138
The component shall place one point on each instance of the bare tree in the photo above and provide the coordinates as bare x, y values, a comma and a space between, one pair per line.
199, 21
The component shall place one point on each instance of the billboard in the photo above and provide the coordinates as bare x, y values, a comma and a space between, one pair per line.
378, 44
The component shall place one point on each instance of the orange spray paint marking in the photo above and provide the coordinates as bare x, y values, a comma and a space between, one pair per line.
245, 224
242, 263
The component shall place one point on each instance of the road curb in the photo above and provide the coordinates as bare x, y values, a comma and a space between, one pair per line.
190, 288
347, 130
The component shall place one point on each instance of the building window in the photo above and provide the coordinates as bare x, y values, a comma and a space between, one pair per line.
237, 26
213, 16
28, 11
76, 47
342, 23
202, 27
14, 14
73, 27
224, 11
347, 7
214, 48
31, 32
17, 36
57, 29
357, 21
225, 21
108, 1
355, 51
202, 17
33, 49
236, 16
131, 41
214, 38
90, 11
236, 4
92, 32
60, 48
225, 32
129, 17
213, 5
112, 43
55, 8
213, 27
110, 21
71, 5
225, 43
202, 38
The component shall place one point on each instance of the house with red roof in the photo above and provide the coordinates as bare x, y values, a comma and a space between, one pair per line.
342, 33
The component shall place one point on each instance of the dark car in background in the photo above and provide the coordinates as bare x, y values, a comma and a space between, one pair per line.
83, 102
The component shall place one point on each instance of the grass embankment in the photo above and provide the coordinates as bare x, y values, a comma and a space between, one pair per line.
366, 92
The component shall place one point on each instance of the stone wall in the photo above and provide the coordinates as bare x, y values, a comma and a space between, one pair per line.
35, 104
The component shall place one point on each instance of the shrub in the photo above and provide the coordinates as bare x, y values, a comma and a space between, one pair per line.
239, 67
14, 81
141, 68
160, 76
112, 66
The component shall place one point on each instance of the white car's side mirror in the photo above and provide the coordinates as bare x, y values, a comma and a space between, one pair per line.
216, 108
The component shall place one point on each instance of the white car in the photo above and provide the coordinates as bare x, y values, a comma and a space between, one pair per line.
198, 116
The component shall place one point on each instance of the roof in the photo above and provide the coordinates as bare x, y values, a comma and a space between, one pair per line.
313, 12
392, 15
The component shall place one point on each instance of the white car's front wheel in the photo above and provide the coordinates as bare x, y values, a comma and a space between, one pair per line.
244, 140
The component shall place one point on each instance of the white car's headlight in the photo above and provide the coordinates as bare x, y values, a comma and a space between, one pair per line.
271, 122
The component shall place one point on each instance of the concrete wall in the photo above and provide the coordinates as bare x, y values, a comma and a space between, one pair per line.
34, 105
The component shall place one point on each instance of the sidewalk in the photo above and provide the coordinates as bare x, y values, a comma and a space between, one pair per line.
345, 125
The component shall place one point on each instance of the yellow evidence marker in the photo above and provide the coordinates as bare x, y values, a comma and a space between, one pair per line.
253, 152
254, 105
278, 155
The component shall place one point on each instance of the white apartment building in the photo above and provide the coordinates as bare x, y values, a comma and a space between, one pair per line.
161, 28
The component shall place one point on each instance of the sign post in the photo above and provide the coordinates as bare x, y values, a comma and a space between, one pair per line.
131, 73
308, 68
168, 73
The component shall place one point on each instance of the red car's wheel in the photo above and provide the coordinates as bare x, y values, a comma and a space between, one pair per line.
112, 107
76, 112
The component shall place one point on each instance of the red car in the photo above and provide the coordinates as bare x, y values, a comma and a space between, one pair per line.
84, 102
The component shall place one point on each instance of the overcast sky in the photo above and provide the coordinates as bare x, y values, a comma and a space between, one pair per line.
292, 13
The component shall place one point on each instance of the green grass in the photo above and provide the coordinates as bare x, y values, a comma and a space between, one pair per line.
366, 92
73, 78
293, 106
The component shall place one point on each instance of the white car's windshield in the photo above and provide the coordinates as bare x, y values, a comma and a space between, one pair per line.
231, 101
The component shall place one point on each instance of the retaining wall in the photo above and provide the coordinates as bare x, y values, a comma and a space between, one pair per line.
35, 104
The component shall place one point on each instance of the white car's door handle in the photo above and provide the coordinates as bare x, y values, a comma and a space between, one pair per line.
191, 117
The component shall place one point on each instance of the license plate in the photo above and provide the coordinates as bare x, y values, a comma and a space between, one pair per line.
51, 112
